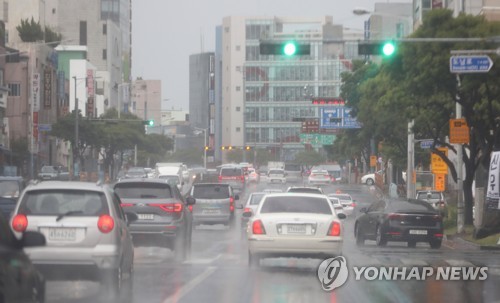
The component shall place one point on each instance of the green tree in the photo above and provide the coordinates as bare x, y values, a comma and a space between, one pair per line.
30, 31
153, 149
188, 156
309, 158
52, 37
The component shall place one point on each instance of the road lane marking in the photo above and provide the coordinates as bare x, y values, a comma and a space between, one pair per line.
459, 263
203, 261
184, 290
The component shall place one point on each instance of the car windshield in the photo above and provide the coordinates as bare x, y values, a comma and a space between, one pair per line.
210, 191
143, 190
60, 202
430, 195
295, 204
172, 180
9, 189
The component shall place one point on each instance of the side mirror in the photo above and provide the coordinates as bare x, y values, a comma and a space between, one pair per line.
190, 201
236, 197
33, 238
363, 210
239, 206
247, 214
341, 216
131, 217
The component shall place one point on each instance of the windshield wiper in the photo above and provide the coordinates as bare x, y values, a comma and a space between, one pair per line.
68, 213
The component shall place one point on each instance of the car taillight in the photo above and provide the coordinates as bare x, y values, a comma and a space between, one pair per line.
441, 204
247, 210
353, 204
169, 208
258, 228
436, 218
242, 178
126, 204
393, 216
20, 223
334, 229
105, 223
231, 203
220, 178
190, 208
312, 175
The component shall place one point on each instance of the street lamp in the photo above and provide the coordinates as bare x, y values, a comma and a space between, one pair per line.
204, 130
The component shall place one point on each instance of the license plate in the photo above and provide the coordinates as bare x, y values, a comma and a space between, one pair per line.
146, 216
418, 232
62, 234
296, 229
211, 211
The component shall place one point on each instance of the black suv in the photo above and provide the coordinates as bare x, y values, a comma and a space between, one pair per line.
164, 218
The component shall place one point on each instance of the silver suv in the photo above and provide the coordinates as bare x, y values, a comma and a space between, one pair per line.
434, 198
86, 232
214, 203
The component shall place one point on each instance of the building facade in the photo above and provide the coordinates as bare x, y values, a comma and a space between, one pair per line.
389, 21
146, 99
265, 96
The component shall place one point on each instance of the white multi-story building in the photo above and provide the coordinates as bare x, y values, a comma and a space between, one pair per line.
261, 94
146, 99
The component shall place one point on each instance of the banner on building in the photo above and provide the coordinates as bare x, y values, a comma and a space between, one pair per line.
35, 91
90, 93
47, 88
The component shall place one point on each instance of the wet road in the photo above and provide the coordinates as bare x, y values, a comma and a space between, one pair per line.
218, 271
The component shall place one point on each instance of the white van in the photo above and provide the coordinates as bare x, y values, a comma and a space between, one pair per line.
169, 168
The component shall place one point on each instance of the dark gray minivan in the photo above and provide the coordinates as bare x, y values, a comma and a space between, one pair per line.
214, 203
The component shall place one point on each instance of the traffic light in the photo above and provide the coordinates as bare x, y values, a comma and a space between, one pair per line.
222, 147
149, 122
207, 147
287, 48
384, 48
248, 147
229, 147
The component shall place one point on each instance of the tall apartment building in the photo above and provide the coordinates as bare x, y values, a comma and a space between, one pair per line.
202, 93
389, 21
146, 99
262, 94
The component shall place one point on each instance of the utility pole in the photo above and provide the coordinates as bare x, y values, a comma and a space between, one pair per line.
460, 185
76, 160
410, 162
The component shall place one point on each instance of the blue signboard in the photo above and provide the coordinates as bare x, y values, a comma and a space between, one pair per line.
470, 64
337, 117
425, 144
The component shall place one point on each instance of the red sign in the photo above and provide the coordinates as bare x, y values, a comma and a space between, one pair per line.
328, 101
35, 126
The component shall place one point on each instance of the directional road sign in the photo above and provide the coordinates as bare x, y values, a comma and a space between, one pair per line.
470, 64
426, 144
317, 139
337, 117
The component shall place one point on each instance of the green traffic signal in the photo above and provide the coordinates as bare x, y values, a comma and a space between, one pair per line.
289, 48
388, 49
151, 122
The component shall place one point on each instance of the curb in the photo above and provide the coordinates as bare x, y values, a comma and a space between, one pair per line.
454, 242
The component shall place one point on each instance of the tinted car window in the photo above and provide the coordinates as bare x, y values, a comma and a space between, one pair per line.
210, 192
231, 172
410, 205
255, 199
57, 202
9, 189
284, 204
143, 190
6, 236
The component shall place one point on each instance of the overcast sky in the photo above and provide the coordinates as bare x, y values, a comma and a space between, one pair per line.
165, 33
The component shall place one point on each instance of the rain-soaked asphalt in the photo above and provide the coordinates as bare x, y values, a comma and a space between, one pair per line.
218, 271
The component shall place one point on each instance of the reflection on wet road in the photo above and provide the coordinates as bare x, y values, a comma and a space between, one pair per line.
218, 272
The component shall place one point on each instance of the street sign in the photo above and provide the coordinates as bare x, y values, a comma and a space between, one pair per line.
440, 182
45, 127
470, 64
438, 166
317, 139
337, 117
459, 131
426, 144
373, 161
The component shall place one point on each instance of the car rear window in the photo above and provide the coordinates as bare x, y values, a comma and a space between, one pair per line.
210, 192
342, 197
231, 172
9, 189
424, 196
145, 190
284, 204
276, 172
410, 206
58, 202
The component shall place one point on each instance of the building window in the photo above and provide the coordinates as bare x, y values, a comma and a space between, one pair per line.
104, 29
226, 29
83, 32
238, 129
238, 108
14, 89
238, 48
104, 54
238, 88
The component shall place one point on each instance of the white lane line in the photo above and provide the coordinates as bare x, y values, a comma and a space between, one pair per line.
459, 263
203, 261
184, 290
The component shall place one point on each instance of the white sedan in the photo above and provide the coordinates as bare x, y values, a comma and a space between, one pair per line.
318, 177
347, 202
294, 225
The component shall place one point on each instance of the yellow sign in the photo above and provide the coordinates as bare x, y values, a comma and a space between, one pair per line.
459, 131
440, 182
438, 166
373, 161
